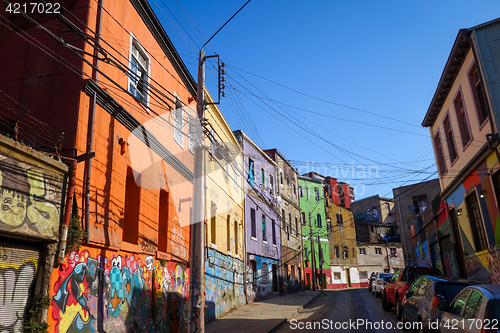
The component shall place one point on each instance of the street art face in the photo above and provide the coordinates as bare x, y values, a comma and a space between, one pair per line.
121, 294
30, 200
17, 272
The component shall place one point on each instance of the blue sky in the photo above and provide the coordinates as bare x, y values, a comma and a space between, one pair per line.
343, 84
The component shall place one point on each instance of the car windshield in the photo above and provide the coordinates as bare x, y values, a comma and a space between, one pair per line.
414, 274
449, 290
384, 275
493, 309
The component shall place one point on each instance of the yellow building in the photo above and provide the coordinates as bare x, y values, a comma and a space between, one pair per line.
224, 265
342, 246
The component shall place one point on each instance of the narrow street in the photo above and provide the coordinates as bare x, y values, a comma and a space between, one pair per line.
341, 310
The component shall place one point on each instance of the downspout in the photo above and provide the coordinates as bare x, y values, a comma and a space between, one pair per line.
90, 126
67, 209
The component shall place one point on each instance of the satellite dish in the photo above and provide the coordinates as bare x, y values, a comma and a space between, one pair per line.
411, 208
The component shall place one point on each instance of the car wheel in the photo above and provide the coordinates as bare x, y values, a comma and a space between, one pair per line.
385, 305
403, 320
399, 308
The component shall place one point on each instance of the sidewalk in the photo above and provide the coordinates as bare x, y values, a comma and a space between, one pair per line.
262, 316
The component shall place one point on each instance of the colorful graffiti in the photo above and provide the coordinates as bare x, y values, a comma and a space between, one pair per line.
484, 267
259, 282
30, 199
224, 284
131, 293
18, 267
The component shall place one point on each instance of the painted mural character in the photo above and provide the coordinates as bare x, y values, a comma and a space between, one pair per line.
14, 194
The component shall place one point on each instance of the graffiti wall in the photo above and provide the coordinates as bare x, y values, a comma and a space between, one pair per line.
484, 267
30, 199
119, 293
18, 267
262, 277
224, 284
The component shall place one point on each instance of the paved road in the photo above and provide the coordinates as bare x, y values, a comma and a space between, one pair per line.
349, 311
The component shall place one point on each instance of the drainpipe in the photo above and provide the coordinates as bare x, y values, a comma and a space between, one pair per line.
90, 126
67, 209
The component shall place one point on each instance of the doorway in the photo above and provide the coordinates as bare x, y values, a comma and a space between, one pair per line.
348, 277
275, 279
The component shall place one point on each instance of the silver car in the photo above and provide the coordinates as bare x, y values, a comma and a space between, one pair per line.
476, 309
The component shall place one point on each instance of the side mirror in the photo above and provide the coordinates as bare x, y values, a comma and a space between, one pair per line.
443, 305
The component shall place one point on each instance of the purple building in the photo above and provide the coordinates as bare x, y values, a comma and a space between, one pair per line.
261, 220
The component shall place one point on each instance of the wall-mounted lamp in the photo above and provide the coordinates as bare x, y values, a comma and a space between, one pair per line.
459, 212
481, 195
122, 144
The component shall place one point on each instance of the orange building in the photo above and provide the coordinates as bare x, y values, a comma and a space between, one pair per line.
106, 74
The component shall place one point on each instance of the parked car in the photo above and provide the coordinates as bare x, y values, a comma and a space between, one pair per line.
475, 309
421, 300
378, 281
370, 281
395, 290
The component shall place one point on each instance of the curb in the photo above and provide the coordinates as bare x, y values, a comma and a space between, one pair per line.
297, 310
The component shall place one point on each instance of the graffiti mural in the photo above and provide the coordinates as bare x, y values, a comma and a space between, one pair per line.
18, 268
30, 199
260, 281
224, 284
485, 267
132, 293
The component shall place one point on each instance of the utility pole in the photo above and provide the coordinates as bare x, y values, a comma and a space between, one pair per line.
406, 254
197, 244
313, 255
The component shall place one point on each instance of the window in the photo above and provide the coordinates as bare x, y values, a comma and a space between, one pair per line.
139, 69
473, 305
362, 250
318, 220
273, 230
450, 139
336, 275
178, 123
363, 275
353, 253
251, 171
264, 238
316, 193
271, 184
265, 273
296, 226
283, 221
191, 134
228, 232
457, 306
290, 223
336, 251
235, 177
236, 237
132, 209
420, 203
301, 194
281, 177
463, 120
294, 189
263, 179
340, 222
439, 154
345, 250
254, 274
307, 193
479, 94
378, 250
253, 227
310, 218
476, 222
303, 216
394, 252
213, 226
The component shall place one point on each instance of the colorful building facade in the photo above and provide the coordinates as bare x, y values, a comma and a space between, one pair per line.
291, 229
263, 243
463, 120
314, 234
225, 232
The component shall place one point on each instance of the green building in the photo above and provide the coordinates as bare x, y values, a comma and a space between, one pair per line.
314, 232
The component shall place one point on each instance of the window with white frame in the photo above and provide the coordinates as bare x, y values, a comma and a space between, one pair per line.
139, 72
178, 122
